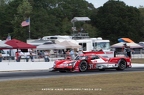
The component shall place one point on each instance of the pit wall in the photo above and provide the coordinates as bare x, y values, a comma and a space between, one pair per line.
14, 66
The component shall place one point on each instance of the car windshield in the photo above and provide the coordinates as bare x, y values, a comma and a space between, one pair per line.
80, 57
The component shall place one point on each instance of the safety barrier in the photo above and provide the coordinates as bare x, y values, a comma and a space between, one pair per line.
15, 66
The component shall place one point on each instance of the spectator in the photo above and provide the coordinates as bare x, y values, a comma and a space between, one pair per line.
1, 56
80, 52
127, 50
27, 56
64, 53
20, 54
39, 54
72, 54
68, 54
31, 56
46, 56
18, 57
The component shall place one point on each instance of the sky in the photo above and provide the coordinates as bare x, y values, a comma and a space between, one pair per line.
135, 3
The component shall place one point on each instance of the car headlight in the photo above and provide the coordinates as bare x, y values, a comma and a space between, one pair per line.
71, 64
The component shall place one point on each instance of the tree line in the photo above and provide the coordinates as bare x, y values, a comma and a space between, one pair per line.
111, 21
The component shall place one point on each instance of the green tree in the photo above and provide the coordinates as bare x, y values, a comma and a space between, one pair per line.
115, 20
56, 16
5, 25
23, 12
24, 9
141, 9
48, 17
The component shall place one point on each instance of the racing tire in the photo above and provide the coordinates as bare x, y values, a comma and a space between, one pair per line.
83, 66
122, 65
101, 69
62, 71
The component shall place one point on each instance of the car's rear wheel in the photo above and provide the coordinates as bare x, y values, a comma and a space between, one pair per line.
83, 66
122, 65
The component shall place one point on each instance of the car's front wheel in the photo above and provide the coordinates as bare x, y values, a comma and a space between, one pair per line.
83, 66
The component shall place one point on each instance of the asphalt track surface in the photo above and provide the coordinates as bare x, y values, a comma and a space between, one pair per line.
23, 75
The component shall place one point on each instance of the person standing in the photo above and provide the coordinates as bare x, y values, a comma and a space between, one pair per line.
80, 52
127, 50
17, 55
72, 54
20, 55
46, 56
31, 56
1, 57
27, 56
68, 54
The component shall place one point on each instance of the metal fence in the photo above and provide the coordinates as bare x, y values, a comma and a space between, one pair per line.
53, 57
136, 54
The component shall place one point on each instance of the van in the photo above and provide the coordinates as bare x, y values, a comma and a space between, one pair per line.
8, 54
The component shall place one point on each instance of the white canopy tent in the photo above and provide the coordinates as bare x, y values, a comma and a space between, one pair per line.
3, 45
69, 44
50, 47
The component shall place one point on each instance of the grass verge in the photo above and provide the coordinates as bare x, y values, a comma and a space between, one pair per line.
106, 84
138, 60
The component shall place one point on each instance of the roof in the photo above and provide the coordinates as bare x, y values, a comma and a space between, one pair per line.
50, 46
121, 44
40, 42
80, 19
128, 40
69, 44
142, 44
17, 44
3, 45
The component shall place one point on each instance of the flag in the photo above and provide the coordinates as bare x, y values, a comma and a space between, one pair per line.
8, 37
25, 23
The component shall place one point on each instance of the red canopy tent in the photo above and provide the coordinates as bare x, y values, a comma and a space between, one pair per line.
17, 44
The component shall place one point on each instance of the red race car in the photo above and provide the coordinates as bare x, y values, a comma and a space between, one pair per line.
91, 61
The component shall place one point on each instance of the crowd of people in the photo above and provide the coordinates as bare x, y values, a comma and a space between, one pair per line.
45, 54
68, 54
28, 55
71, 54
31, 54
